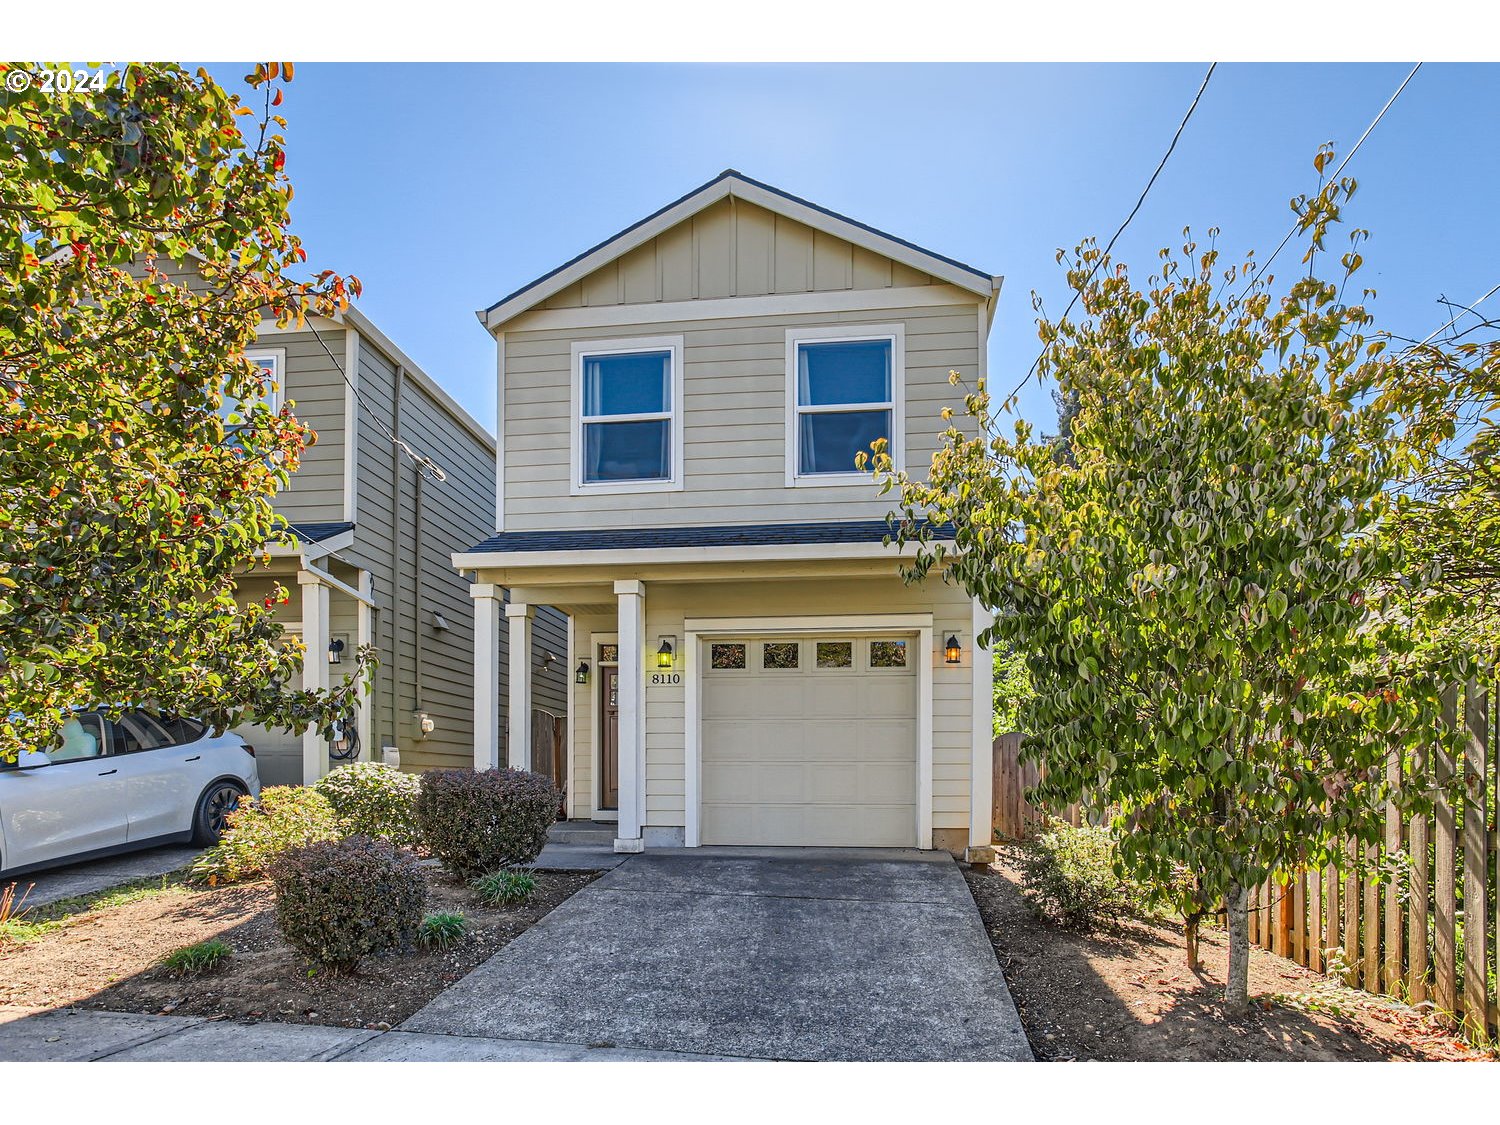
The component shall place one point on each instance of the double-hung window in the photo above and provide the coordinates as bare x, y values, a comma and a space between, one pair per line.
844, 392
627, 434
271, 362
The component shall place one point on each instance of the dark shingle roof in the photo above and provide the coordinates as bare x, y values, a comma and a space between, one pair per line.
724, 535
314, 532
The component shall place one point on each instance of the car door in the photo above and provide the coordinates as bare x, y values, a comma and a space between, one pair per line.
73, 804
161, 782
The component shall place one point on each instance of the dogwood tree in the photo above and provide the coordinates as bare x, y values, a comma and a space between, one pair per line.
143, 237
1211, 617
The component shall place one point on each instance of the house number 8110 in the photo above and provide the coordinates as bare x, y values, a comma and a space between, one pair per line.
665, 678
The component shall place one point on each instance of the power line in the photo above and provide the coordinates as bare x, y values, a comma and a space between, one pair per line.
1342, 164
1133, 211
422, 461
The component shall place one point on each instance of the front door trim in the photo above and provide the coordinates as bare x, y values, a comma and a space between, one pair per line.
596, 732
698, 629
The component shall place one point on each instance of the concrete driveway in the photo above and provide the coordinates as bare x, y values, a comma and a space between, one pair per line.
773, 954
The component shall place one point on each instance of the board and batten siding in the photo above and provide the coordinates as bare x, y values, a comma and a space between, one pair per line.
734, 425
424, 668
734, 248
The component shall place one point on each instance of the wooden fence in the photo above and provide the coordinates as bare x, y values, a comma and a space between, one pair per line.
1417, 916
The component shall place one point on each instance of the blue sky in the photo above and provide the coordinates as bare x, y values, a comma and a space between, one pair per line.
444, 187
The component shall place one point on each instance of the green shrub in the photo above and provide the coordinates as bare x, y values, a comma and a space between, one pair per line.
374, 799
338, 902
476, 822
504, 888
202, 957
286, 816
443, 929
1068, 876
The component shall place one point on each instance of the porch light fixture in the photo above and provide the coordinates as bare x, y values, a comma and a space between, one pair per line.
952, 652
582, 675
335, 652
664, 654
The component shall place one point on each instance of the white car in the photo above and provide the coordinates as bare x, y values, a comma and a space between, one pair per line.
118, 785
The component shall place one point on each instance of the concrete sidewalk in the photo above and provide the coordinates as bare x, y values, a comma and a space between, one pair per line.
85, 1035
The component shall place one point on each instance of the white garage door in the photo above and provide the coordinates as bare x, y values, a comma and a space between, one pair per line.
810, 741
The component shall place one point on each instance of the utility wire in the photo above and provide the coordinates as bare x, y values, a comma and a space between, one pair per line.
1465, 309
1342, 164
422, 461
1133, 211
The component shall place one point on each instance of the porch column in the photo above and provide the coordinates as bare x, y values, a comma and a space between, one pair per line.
314, 668
632, 713
518, 742
487, 601
366, 611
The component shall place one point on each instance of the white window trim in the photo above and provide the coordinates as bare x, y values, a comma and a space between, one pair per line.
585, 349
845, 333
277, 394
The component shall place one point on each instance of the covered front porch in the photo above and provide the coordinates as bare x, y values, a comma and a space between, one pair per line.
331, 610
724, 698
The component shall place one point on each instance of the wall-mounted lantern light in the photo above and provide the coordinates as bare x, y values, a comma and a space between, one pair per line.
582, 675
664, 654
952, 652
335, 652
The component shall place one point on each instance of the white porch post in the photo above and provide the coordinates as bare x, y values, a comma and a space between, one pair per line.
632, 713
518, 742
314, 668
982, 763
487, 603
366, 612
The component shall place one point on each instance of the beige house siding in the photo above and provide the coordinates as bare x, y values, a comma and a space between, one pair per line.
668, 604
734, 248
734, 443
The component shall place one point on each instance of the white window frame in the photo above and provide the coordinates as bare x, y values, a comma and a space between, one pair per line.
277, 394
583, 350
895, 335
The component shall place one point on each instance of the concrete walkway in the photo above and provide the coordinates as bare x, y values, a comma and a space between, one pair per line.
774, 954
84, 1035
95, 875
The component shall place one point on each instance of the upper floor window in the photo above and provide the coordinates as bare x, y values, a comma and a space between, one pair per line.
844, 391
627, 432
271, 361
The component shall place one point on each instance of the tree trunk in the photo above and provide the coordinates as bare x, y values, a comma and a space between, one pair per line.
1237, 987
1190, 932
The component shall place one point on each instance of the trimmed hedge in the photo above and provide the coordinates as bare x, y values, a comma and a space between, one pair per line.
374, 799
285, 816
478, 822
341, 901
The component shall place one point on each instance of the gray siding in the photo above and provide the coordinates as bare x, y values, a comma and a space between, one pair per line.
735, 249
425, 668
312, 384
734, 437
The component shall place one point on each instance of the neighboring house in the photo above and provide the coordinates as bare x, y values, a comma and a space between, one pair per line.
679, 410
375, 533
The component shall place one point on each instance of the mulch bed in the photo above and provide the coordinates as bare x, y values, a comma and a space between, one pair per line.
1127, 994
108, 958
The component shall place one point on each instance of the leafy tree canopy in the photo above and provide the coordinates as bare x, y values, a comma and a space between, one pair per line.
143, 236
1221, 639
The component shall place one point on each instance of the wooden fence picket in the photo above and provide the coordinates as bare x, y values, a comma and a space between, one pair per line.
1476, 861
1445, 886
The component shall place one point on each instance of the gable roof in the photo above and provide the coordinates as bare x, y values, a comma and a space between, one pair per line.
726, 183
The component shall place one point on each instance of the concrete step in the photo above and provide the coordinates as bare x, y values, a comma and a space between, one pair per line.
582, 832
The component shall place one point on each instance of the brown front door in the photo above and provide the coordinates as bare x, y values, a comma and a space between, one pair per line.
609, 737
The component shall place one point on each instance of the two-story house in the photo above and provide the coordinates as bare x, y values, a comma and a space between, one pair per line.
400, 477
679, 412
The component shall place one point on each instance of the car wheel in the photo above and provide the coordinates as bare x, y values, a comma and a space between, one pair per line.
214, 807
